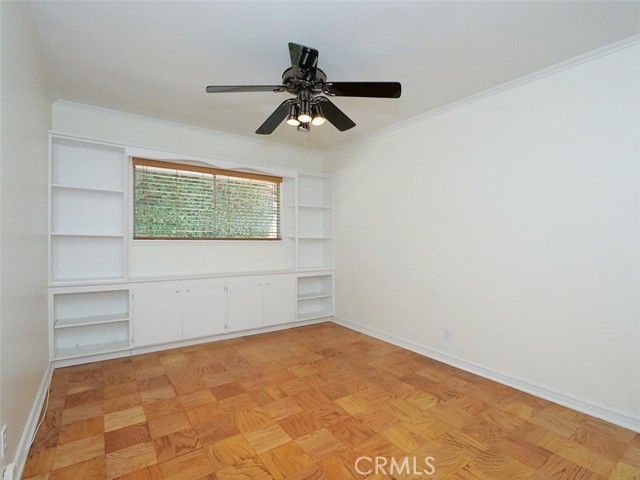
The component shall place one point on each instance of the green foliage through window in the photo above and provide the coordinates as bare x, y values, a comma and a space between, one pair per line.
183, 202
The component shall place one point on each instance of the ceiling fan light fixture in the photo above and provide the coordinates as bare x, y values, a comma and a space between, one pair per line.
316, 114
305, 111
292, 119
304, 127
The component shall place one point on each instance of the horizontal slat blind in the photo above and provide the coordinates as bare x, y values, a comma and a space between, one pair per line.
175, 201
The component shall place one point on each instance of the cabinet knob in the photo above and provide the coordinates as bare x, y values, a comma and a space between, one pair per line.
177, 291
188, 290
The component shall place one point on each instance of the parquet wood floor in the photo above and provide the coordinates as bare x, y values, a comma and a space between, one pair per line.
303, 404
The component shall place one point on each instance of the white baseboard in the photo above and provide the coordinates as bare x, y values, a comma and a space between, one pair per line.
32, 423
623, 419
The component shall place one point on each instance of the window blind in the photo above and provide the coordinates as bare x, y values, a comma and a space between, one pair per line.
175, 201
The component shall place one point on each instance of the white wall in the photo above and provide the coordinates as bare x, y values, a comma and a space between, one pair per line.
514, 220
181, 258
26, 111
127, 129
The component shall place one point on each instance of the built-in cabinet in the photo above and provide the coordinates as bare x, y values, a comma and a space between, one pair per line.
97, 311
172, 311
261, 301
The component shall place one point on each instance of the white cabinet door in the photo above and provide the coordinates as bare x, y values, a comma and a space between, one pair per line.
244, 303
157, 314
204, 308
279, 297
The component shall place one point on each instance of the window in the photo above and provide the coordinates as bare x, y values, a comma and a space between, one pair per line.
173, 201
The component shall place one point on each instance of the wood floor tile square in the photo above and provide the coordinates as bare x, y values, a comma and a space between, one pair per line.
402, 437
252, 419
197, 399
351, 431
227, 390
378, 419
229, 451
114, 391
162, 408
79, 451
283, 408
193, 465
320, 444
161, 426
83, 398
587, 458
329, 413
205, 413
182, 388
285, 460
176, 444
153, 383
216, 430
299, 424
123, 402
267, 438
156, 394
124, 418
252, 468
126, 437
92, 469
39, 462
130, 459
238, 403
83, 412
523, 451
148, 473
353, 404
625, 471
79, 430
313, 472
559, 468
610, 447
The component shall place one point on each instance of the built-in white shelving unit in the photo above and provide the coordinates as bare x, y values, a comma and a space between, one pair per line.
89, 322
87, 211
315, 296
315, 222
97, 310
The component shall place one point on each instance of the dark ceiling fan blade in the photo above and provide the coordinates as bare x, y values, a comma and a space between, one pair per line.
363, 89
303, 58
275, 119
243, 88
335, 115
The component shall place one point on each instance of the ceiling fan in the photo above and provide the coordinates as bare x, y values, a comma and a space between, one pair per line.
308, 84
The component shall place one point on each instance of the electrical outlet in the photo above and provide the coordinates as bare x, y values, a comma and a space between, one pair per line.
3, 441
448, 334
8, 472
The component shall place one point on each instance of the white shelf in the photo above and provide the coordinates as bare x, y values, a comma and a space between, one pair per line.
84, 350
107, 235
311, 296
313, 315
323, 207
90, 320
86, 189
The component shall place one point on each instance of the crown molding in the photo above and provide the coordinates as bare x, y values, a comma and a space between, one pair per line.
177, 125
532, 77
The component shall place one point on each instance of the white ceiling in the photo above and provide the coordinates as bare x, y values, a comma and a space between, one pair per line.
156, 58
